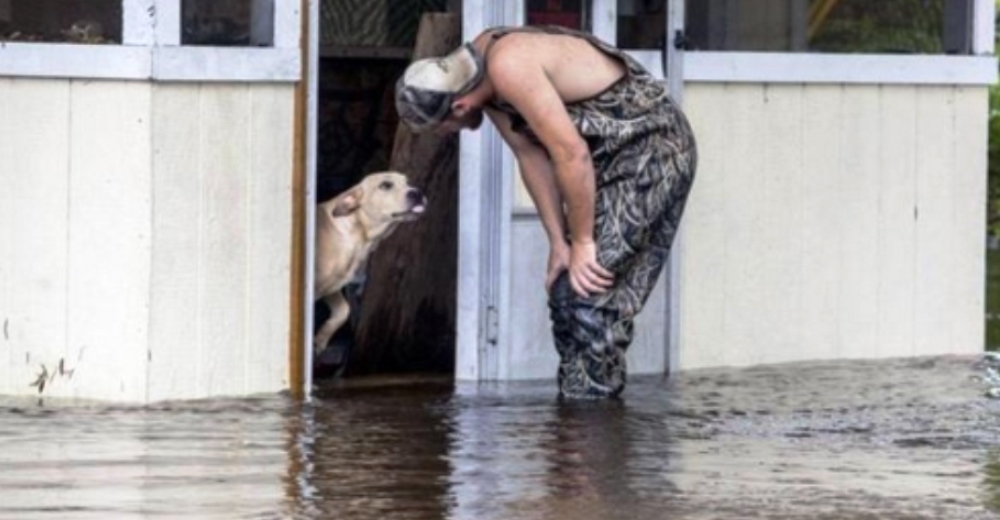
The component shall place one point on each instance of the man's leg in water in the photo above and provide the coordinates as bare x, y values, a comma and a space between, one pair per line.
635, 226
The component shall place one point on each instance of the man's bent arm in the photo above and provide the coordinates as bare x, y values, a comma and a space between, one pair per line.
538, 176
533, 95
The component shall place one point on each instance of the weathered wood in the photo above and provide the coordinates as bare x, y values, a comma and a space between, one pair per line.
407, 320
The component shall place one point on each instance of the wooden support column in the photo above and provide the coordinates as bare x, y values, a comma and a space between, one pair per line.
407, 321
296, 340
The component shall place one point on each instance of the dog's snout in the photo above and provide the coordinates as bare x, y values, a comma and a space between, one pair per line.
415, 196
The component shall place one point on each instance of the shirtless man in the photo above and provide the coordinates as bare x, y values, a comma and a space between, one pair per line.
607, 157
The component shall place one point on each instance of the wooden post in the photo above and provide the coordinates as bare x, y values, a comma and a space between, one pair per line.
296, 335
407, 320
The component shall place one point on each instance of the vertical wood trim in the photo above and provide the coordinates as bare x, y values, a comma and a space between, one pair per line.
676, 20
983, 27
138, 22
478, 154
604, 14
297, 335
289, 30
167, 15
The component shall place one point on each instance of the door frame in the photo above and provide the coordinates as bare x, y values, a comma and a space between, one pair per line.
485, 200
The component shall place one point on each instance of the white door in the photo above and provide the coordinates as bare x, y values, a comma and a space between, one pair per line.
503, 321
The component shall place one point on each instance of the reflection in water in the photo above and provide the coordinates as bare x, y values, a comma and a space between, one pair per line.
991, 481
891, 439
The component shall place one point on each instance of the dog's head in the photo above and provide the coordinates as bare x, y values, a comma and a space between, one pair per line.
384, 198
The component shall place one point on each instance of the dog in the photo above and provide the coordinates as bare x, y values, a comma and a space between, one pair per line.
348, 228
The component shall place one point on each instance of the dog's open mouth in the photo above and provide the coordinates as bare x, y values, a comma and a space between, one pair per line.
412, 213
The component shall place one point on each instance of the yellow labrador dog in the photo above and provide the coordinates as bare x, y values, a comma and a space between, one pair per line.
348, 228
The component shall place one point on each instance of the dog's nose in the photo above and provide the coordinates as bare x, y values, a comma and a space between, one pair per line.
414, 196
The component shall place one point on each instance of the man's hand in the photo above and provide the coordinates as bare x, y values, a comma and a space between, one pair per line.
559, 254
585, 274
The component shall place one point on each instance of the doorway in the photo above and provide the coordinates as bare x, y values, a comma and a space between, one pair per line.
501, 317
403, 308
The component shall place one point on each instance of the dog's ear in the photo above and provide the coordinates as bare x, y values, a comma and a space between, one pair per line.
347, 202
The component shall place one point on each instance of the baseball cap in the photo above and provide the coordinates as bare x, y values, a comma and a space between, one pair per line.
425, 92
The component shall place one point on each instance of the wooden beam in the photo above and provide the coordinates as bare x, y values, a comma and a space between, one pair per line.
296, 340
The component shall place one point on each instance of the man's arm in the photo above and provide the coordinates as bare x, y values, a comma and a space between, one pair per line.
525, 85
538, 177
540, 180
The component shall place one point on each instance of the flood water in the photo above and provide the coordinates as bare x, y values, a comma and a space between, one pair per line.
846, 440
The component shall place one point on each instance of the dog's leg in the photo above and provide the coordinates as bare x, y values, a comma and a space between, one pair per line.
339, 310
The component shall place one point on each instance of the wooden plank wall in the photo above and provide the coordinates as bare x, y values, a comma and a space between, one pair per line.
834, 221
222, 224
75, 199
146, 238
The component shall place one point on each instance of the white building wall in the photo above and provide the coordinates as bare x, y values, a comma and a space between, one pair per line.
833, 221
222, 235
146, 238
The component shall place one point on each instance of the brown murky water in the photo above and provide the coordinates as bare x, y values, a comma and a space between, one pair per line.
852, 440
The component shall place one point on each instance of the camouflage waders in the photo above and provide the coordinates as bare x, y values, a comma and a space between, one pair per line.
644, 158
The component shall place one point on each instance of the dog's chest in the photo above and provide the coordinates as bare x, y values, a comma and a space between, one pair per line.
356, 270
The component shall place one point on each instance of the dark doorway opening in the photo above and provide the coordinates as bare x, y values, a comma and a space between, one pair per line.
403, 311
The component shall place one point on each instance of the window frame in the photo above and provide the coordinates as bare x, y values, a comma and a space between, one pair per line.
977, 68
151, 50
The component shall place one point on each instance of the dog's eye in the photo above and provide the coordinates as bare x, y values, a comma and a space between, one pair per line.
386, 185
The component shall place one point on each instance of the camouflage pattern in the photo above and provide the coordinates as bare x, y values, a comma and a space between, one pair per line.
645, 157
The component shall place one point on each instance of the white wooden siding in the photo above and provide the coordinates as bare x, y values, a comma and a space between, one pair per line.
222, 235
109, 237
76, 201
833, 221
34, 207
147, 238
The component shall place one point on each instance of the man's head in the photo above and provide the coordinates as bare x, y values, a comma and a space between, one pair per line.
432, 93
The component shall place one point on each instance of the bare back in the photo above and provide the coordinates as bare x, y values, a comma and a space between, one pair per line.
576, 68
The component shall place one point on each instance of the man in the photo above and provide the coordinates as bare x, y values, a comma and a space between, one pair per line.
607, 157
